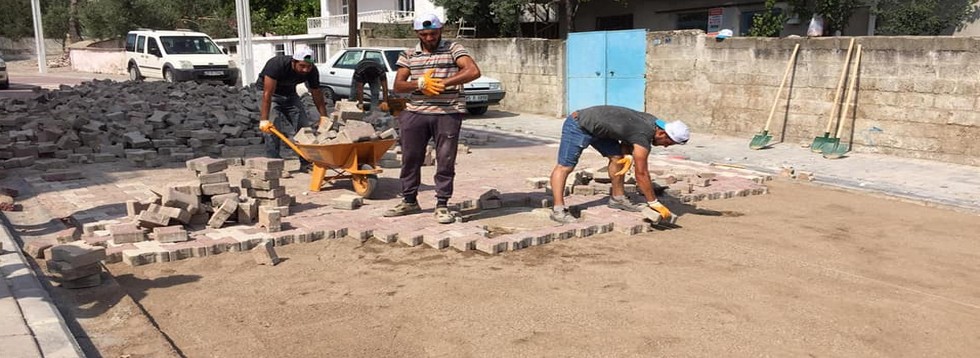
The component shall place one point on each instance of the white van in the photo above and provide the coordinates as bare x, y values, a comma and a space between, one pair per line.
177, 56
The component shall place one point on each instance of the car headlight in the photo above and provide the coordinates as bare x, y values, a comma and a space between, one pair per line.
496, 86
185, 65
232, 64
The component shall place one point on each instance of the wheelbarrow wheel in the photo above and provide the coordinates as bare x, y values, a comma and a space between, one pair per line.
364, 184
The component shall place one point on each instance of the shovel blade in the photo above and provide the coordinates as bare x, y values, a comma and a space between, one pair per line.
760, 140
819, 142
837, 151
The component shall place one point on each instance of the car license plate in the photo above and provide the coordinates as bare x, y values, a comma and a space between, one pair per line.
476, 98
214, 73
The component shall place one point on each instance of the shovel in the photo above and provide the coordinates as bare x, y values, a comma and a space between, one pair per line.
819, 142
836, 149
762, 139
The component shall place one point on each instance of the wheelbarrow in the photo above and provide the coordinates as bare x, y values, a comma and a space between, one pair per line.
356, 161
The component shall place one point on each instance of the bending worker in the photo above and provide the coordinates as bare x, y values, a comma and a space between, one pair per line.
370, 71
277, 83
616, 132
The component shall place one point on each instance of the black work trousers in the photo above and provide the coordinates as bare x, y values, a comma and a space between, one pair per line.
416, 131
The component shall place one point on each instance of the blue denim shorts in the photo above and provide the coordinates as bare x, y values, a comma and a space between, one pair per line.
574, 140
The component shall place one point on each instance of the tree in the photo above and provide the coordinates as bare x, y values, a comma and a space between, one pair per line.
836, 13
15, 19
923, 17
477, 13
768, 23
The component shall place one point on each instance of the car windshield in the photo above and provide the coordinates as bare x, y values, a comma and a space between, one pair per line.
189, 45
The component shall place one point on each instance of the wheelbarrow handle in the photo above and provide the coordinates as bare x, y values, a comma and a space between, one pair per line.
268, 127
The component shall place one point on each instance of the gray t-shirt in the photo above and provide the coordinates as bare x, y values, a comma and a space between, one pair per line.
618, 123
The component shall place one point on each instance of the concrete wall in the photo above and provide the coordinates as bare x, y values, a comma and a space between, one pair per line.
98, 60
917, 96
530, 70
24, 48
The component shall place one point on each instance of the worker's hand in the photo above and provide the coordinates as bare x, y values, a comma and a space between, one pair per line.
627, 163
665, 213
430, 86
265, 126
383, 106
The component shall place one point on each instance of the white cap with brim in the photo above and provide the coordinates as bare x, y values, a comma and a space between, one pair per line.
303, 54
427, 22
676, 130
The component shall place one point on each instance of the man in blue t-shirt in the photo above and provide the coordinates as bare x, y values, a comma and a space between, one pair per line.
616, 132
277, 83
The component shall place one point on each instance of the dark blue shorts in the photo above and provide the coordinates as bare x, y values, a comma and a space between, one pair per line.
574, 140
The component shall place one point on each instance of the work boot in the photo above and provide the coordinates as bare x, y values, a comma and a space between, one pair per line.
624, 205
444, 216
402, 209
563, 217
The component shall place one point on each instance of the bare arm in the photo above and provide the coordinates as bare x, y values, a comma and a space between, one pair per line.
642, 172
402, 84
384, 89
269, 87
468, 71
321, 105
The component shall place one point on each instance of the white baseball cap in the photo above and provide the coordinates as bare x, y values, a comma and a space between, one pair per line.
427, 22
303, 54
678, 132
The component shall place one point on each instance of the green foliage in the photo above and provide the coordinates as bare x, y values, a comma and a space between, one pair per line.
924, 17
836, 13
15, 19
490, 17
800, 8
55, 18
768, 23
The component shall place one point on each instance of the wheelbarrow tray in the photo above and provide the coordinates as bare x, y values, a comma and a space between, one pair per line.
347, 156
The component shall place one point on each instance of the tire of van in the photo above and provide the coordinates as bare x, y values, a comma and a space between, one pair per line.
5, 84
168, 74
329, 94
134, 73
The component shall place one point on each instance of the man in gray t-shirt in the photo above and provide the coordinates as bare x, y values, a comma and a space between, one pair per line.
616, 132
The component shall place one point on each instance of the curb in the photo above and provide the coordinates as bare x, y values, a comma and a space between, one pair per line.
47, 326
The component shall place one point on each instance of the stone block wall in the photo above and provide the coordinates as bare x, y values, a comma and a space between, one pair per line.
916, 97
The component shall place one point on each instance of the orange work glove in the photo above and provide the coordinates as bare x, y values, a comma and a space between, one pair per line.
665, 213
383, 106
430, 86
627, 163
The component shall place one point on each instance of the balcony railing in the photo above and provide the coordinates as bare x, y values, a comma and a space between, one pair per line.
338, 24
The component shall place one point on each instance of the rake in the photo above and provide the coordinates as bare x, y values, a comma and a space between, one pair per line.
819, 142
762, 139
837, 149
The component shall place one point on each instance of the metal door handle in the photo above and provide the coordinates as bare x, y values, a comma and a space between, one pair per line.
597, 74
612, 73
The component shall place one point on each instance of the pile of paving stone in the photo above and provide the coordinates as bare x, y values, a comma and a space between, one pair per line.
348, 124
75, 264
147, 123
209, 201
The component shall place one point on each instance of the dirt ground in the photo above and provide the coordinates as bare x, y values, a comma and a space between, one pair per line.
805, 271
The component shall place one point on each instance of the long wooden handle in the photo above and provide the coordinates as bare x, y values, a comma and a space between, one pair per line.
840, 88
851, 88
789, 66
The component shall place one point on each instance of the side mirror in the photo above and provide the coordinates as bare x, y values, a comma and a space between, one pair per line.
155, 52
225, 50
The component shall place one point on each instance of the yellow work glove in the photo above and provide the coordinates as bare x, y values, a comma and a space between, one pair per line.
383, 106
665, 213
627, 163
430, 86
265, 126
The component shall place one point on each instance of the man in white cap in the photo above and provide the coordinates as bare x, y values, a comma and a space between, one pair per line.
434, 72
616, 132
277, 82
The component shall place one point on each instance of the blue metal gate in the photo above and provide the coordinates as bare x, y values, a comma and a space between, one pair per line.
606, 67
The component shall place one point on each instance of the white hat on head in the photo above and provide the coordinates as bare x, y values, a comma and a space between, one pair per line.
427, 22
303, 54
677, 131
